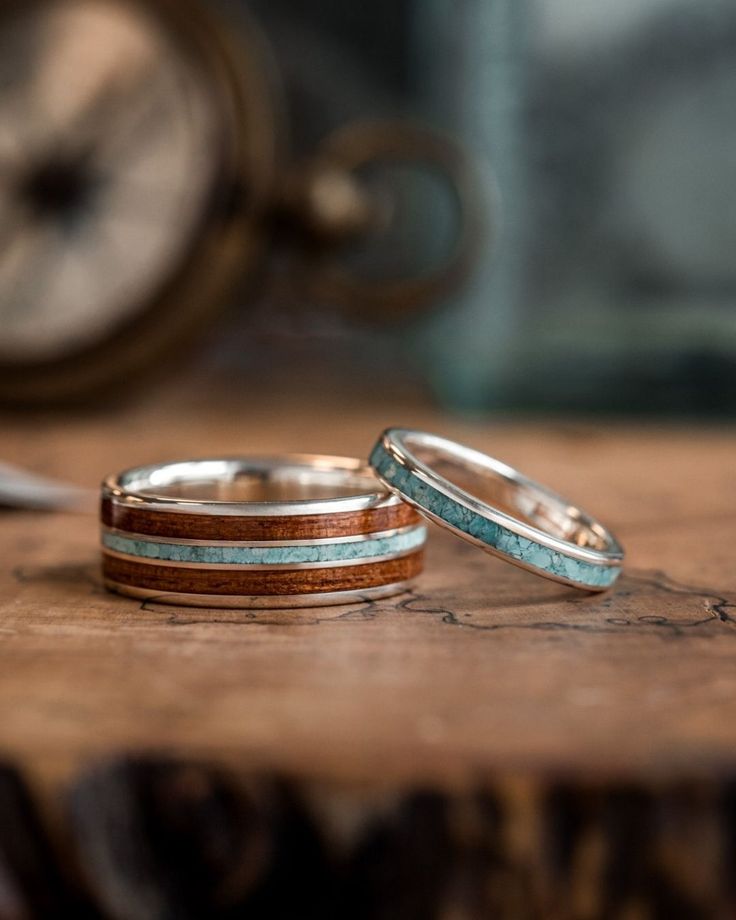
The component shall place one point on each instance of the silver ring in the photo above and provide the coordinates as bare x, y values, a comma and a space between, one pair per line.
259, 486
498, 509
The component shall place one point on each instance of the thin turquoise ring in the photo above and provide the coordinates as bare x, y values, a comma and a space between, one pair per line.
516, 518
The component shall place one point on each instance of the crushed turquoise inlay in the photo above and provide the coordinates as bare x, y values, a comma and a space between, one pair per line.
490, 533
267, 555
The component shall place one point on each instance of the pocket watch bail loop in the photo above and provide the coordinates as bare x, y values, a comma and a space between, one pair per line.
333, 205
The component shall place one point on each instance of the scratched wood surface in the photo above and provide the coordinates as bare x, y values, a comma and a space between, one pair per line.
482, 668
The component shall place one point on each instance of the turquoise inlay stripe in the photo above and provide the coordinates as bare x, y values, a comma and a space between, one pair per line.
495, 535
267, 555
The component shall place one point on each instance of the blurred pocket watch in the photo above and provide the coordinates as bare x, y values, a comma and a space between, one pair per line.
144, 170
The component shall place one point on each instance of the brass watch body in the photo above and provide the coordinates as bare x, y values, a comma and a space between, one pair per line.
144, 169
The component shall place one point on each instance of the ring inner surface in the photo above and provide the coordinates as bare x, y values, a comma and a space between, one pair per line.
522, 501
283, 484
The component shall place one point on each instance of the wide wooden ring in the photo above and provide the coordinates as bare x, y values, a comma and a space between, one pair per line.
301, 530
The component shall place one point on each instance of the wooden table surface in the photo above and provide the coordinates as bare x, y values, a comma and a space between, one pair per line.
482, 668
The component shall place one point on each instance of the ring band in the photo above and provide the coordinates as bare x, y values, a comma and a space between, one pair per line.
498, 509
290, 531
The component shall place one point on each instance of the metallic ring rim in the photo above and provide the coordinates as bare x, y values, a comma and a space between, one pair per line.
124, 489
260, 601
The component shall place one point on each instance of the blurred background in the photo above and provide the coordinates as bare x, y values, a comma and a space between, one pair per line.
492, 203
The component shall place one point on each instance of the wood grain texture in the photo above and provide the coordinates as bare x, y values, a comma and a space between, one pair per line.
482, 669
170, 579
231, 527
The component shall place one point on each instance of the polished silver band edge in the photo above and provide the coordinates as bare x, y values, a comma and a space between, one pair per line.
115, 488
262, 601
